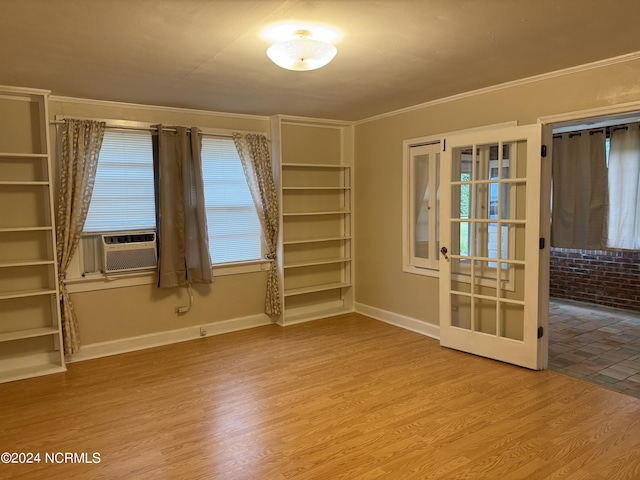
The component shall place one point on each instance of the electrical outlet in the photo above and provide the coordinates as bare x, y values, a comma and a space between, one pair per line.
203, 332
182, 310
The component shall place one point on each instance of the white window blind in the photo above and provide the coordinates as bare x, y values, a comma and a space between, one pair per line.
123, 194
235, 233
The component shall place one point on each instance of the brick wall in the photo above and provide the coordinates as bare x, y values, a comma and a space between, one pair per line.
604, 277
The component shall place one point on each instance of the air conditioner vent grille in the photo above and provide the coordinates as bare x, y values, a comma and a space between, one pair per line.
129, 252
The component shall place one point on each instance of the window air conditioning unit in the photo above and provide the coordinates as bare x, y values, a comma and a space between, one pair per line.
129, 251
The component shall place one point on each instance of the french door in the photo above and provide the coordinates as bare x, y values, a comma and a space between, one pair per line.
490, 244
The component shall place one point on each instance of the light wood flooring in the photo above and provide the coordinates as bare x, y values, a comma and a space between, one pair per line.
341, 398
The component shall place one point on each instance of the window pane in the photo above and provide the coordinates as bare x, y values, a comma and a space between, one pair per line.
123, 193
235, 233
421, 205
423, 215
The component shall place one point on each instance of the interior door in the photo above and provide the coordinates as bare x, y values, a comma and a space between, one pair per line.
490, 244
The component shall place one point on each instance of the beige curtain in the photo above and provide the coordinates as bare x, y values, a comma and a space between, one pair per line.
256, 162
81, 142
580, 190
181, 222
624, 187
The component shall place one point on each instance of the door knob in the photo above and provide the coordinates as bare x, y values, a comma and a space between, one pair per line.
444, 251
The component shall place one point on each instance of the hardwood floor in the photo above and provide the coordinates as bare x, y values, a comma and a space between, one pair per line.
341, 398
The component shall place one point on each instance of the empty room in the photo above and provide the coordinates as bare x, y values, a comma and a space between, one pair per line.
319, 239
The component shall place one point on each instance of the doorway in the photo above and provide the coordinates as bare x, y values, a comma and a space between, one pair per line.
589, 338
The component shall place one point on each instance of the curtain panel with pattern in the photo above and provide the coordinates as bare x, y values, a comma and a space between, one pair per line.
254, 152
81, 142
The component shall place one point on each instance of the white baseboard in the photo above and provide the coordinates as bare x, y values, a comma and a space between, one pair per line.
408, 323
314, 312
115, 347
131, 344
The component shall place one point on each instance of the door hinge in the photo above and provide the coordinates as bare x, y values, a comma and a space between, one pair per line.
543, 151
444, 144
542, 243
540, 332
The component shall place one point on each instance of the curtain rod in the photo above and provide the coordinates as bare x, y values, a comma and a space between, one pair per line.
148, 127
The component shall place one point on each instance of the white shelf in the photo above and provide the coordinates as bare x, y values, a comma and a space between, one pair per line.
25, 263
23, 155
22, 183
31, 371
292, 318
24, 229
314, 165
307, 214
27, 293
311, 263
31, 333
316, 188
316, 288
315, 240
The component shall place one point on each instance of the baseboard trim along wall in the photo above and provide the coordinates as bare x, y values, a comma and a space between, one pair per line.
402, 321
131, 344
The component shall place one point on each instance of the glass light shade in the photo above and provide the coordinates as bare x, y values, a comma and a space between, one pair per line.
301, 54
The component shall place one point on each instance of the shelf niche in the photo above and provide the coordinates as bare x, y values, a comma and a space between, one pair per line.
30, 332
313, 169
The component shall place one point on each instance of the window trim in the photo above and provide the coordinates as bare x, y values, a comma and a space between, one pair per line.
413, 264
407, 266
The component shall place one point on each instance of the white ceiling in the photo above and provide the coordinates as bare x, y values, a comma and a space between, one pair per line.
208, 54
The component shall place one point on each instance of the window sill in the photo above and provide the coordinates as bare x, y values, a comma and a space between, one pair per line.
426, 272
101, 281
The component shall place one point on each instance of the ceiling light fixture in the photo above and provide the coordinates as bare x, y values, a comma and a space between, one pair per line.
302, 53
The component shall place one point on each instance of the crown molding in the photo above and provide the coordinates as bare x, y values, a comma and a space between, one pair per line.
502, 86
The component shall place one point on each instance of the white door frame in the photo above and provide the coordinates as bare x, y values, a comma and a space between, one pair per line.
548, 121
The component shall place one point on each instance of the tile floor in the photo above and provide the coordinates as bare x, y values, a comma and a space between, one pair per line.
596, 344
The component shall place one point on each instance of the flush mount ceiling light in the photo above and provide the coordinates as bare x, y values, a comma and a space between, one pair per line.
302, 52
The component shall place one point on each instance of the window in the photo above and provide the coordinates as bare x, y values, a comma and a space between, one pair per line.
494, 199
422, 173
123, 198
421, 199
123, 193
235, 234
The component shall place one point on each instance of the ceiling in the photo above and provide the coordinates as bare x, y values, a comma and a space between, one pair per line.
208, 54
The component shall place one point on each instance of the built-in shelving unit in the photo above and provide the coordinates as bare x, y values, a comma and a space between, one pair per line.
313, 169
30, 331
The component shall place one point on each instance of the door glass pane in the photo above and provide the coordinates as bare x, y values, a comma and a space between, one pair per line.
455, 238
421, 205
484, 278
486, 155
512, 281
513, 241
460, 275
462, 165
511, 321
485, 316
487, 240
482, 200
516, 161
461, 311
460, 201
464, 239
